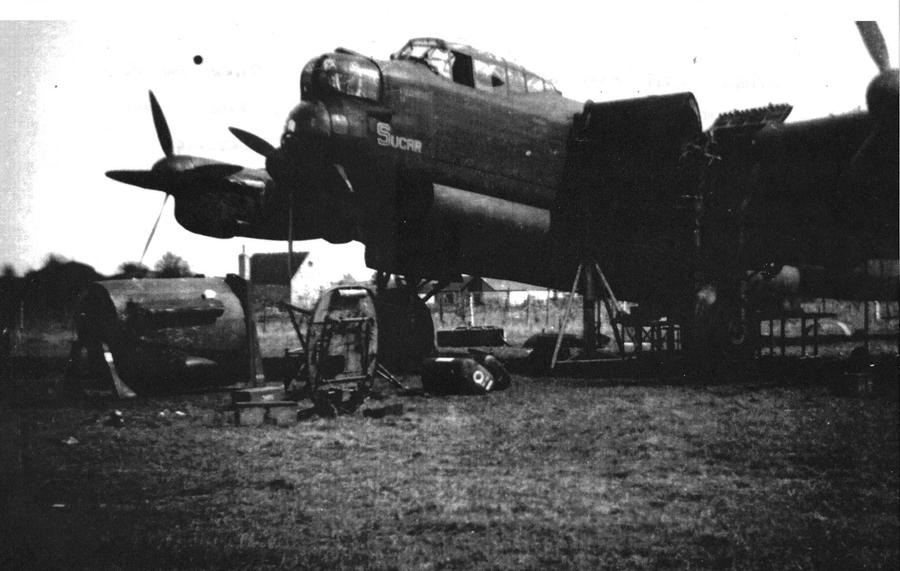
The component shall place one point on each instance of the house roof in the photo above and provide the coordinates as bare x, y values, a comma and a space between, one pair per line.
509, 285
468, 284
272, 268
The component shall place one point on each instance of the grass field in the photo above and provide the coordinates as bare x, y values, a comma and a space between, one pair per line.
553, 473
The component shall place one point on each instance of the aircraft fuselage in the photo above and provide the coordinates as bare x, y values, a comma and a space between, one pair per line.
445, 160
441, 177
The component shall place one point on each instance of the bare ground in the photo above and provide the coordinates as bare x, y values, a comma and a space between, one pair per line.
553, 473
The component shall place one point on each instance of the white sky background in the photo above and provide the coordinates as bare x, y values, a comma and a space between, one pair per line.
73, 93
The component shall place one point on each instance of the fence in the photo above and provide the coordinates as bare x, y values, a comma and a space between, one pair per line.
520, 313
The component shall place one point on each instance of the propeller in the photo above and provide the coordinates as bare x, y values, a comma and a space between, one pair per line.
173, 174
881, 101
324, 183
262, 147
881, 95
162, 126
153, 230
277, 169
256, 143
874, 41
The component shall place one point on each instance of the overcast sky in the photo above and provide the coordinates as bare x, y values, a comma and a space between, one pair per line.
74, 81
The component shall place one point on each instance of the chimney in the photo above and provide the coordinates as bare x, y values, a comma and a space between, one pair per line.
243, 266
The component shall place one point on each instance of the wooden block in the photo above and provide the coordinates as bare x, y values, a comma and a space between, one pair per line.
306, 413
279, 413
258, 394
393, 409
249, 415
284, 415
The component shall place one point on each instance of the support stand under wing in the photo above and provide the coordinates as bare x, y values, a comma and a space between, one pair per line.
591, 271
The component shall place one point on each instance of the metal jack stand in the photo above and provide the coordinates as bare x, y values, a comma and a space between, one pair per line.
591, 270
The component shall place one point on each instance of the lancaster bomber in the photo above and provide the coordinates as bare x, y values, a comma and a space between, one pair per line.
445, 160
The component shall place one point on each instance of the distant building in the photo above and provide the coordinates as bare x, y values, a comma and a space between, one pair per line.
270, 276
468, 284
272, 269
519, 292
308, 276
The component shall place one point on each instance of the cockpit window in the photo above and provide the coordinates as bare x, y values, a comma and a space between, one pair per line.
466, 66
463, 69
535, 83
516, 81
350, 75
441, 61
490, 76
438, 59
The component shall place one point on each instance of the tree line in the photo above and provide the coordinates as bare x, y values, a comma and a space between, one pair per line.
52, 290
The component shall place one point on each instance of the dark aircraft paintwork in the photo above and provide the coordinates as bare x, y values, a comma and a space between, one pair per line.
483, 168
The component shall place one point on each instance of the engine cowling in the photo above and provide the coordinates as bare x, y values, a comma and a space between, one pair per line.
214, 214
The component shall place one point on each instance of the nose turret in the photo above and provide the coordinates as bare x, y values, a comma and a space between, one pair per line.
341, 73
307, 118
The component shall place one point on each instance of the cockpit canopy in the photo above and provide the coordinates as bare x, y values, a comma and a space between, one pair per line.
467, 66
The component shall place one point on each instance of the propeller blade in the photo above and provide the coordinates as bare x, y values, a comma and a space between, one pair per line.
153, 230
255, 143
170, 179
162, 127
864, 151
874, 41
143, 179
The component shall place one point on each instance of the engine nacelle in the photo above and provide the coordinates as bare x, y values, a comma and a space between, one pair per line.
215, 215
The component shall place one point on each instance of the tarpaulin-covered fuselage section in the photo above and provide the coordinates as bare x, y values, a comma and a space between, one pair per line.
168, 334
623, 199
